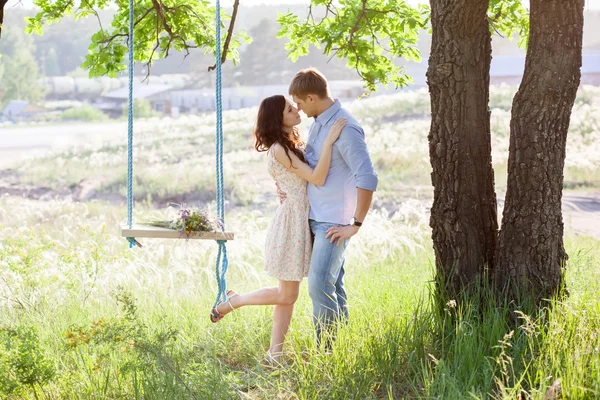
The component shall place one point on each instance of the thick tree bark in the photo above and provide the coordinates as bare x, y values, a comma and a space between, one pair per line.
530, 253
463, 217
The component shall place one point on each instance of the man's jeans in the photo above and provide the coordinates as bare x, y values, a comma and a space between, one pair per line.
326, 279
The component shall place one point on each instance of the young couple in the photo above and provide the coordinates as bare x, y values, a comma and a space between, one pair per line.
325, 193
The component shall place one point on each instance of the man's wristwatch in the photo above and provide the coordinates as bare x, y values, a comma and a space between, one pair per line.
354, 222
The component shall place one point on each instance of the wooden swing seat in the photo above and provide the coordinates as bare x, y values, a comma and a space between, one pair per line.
145, 231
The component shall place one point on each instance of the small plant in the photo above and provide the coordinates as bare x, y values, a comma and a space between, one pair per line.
125, 346
23, 363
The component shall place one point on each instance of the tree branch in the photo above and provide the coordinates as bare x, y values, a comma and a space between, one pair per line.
95, 13
113, 37
372, 10
375, 38
309, 16
189, 10
330, 8
159, 12
2, 4
236, 4
355, 27
149, 63
135, 23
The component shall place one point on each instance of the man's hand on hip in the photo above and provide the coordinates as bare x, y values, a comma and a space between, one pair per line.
341, 233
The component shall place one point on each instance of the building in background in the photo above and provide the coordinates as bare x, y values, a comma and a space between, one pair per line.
113, 103
23, 111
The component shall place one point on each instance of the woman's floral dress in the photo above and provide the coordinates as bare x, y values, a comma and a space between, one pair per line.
289, 243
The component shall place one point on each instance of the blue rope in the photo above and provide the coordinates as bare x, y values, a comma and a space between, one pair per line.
222, 261
131, 241
220, 269
219, 116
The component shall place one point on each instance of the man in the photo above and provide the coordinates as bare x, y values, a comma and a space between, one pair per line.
337, 209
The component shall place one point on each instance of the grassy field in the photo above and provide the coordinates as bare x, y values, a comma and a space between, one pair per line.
174, 158
84, 317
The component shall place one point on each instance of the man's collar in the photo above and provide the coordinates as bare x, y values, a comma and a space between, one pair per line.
326, 115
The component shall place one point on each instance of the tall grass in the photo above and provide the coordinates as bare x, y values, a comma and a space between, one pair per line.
82, 316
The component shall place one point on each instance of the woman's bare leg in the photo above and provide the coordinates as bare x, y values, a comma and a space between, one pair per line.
282, 297
285, 294
282, 316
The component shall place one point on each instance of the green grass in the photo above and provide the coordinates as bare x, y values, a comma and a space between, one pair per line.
82, 316
85, 317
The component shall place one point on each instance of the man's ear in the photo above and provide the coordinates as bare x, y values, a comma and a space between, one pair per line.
311, 98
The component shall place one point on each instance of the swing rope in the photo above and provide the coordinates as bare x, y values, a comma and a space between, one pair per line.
222, 261
221, 268
131, 241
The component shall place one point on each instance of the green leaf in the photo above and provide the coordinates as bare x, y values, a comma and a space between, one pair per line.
370, 39
509, 18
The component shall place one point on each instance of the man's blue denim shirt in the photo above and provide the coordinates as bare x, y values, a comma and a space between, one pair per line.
351, 168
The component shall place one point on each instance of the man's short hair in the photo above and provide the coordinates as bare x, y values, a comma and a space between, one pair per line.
309, 81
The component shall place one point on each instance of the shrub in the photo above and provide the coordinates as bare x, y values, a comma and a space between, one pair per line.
141, 108
84, 113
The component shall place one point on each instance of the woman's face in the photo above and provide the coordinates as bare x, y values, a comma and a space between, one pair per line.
291, 116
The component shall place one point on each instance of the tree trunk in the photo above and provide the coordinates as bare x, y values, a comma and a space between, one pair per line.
530, 253
463, 216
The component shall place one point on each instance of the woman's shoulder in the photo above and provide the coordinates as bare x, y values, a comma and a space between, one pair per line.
282, 155
278, 150
277, 147
275, 151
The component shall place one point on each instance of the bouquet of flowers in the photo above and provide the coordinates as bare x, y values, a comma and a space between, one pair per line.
188, 220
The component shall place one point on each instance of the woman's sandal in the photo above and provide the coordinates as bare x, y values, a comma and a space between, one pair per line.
215, 315
271, 362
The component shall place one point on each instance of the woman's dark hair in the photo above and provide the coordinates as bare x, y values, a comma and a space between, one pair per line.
269, 128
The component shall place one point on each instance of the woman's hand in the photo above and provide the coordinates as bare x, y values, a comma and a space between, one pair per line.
282, 195
335, 131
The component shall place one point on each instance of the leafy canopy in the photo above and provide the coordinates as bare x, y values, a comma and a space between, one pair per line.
160, 27
370, 34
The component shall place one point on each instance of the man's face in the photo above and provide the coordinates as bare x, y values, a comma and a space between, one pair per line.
307, 105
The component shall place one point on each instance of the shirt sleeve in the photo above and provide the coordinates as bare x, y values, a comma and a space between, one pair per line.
353, 148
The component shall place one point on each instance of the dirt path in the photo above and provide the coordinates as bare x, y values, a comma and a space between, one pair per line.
15, 142
581, 213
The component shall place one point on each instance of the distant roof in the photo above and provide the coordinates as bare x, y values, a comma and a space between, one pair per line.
514, 66
139, 91
14, 107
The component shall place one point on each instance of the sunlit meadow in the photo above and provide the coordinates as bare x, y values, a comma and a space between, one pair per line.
82, 316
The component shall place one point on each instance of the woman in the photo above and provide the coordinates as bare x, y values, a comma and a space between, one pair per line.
288, 242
